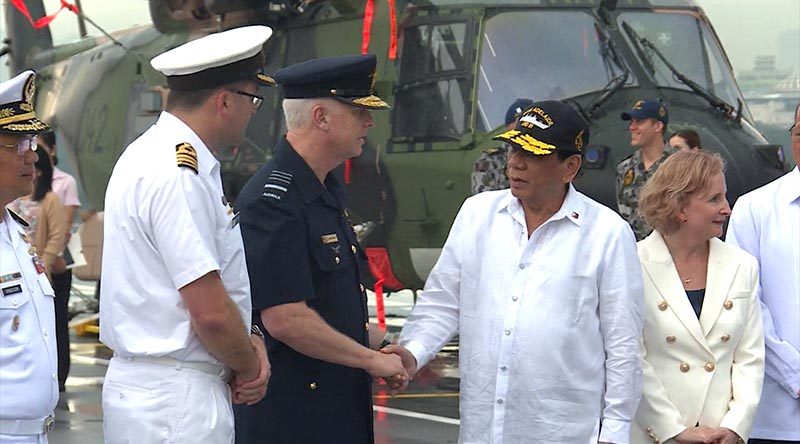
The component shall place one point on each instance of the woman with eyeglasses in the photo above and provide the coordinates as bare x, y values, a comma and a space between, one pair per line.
43, 212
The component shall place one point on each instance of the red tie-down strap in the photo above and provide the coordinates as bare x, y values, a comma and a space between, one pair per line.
381, 268
44, 21
366, 33
380, 310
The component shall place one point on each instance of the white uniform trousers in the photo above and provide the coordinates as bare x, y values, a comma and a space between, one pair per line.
23, 439
145, 403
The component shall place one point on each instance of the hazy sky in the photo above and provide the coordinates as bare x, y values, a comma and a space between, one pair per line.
746, 27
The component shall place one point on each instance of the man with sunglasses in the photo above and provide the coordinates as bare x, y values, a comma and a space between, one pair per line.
544, 287
28, 363
176, 297
766, 223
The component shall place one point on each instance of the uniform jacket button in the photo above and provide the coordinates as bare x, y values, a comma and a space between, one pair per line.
337, 260
663, 305
362, 288
728, 304
353, 249
685, 367
709, 366
670, 339
366, 326
312, 386
726, 338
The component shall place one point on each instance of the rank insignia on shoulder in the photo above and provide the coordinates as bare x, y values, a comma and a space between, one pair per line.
186, 156
277, 184
18, 218
491, 151
628, 178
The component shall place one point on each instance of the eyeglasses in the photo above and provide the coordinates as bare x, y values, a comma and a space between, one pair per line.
22, 146
257, 100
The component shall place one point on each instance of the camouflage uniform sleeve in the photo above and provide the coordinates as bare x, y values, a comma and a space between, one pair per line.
488, 173
622, 208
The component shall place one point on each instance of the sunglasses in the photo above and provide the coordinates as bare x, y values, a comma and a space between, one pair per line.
22, 146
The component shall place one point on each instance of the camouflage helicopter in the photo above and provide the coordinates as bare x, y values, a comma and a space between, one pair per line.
458, 65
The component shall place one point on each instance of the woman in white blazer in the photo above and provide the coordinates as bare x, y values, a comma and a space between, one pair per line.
703, 343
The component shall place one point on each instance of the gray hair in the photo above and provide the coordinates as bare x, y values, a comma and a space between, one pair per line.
297, 112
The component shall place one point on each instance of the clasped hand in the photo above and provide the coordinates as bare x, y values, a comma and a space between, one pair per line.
707, 435
250, 390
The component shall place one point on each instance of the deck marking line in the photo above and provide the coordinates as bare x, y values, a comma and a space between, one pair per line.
416, 415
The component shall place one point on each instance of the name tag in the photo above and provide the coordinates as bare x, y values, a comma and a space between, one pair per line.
329, 238
13, 289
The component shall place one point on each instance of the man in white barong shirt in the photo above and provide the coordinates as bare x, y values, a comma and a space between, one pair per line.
766, 224
544, 287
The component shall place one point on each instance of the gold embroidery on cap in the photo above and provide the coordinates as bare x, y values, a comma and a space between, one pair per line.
579, 141
371, 102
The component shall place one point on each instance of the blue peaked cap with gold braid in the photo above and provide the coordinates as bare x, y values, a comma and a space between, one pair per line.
348, 79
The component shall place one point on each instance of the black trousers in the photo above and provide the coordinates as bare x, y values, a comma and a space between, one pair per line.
770, 441
62, 284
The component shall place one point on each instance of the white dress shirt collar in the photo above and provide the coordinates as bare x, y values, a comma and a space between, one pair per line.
571, 209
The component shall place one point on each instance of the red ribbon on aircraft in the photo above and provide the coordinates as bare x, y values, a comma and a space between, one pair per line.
392, 31
44, 21
369, 11
366, 33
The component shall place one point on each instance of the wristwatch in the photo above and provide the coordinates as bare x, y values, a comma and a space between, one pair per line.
256, 330
387, 340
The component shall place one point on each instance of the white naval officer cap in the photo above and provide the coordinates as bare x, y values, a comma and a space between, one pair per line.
216, 59
17, 113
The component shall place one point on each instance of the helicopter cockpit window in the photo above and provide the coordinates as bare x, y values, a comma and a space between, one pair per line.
540, 55
690, 46
433, 88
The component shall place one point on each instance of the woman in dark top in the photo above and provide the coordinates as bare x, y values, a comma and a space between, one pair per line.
703, 342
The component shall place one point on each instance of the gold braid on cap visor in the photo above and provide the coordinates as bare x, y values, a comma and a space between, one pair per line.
371, 102
528, 143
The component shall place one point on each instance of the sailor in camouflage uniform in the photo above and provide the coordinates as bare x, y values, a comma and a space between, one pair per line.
648, 123
489, 172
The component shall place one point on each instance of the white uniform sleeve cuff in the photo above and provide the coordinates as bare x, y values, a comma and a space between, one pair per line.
421, 354
616, 431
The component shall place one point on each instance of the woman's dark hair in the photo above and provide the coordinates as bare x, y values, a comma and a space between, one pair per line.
44, 180
690, 136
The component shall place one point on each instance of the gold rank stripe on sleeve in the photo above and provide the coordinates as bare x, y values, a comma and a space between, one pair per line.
186, 156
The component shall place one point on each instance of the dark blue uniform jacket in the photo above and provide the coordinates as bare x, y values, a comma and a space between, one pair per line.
300, 246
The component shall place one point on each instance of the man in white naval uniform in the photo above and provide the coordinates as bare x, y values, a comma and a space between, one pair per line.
28, 362
544, 288
766, 223
176, 304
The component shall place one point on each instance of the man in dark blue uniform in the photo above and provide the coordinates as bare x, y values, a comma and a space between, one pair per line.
306, 265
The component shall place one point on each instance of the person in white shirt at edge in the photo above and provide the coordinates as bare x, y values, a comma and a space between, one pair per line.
28, 382
703, 340
545, 290
766, 223
176, 305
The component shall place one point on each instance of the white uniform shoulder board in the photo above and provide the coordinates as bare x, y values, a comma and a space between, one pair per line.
186, 156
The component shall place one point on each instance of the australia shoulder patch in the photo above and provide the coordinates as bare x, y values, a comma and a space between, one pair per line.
277, 185
186, 156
